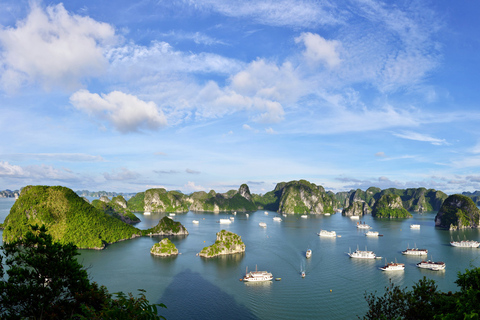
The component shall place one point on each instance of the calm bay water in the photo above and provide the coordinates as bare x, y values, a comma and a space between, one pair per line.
334, 286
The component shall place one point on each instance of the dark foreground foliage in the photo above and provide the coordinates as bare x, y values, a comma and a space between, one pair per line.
424, 301
42, 279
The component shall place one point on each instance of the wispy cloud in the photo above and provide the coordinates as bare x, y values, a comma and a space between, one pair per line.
299, 13
66, 157
166, 171
121, 175
190, 171
421, 137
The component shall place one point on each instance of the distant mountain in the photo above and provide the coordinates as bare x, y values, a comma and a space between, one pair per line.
418, 200
9, 194
98, 194
475, 196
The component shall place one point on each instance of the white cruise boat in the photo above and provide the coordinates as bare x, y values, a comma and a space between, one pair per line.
415, 252
277, 219
247, 215
326, 214
363, 225
465, 244
372, 234
225, 221
363, 254
304, 216
266, 213
232, 218
325, 233
393, 266
255, 276
172, 214
308, 254
262, 224
414, 226
195, 222
355, 217
435, 266
147, 213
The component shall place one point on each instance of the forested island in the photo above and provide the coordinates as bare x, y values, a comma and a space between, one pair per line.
70, 218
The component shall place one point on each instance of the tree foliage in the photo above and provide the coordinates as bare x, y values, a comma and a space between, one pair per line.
424, 301
45, 281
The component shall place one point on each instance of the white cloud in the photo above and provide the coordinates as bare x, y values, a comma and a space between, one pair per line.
421, 137
39, 172
123, 174
191, 186
125, 112
380, 154
7, 169
192, 171
137, 62
53, 48
318, 49
270, 131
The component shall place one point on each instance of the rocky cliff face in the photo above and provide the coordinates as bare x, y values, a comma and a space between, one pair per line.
458, 212
117, 208
164, 248
159, 200
232, 200
390, 206
303, 197
227, 243
357, 208
418, 200
167, 227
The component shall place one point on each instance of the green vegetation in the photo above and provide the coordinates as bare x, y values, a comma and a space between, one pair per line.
390, 206
165, 247
229, 201
115, 209
166, 226
304, 197
136, 202
458, 211
425, 301
227, 242
45, 281
68, 218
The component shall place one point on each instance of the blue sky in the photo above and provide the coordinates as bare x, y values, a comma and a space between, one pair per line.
199, 95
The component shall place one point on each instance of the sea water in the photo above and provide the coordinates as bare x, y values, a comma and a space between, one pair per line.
334, 287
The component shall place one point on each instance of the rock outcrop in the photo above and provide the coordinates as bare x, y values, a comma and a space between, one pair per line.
159, 200
390, 206
167, 227
116, 208
232, 200
357, 208
303, 197
458, 212
417, 200
164, 248
227, 243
